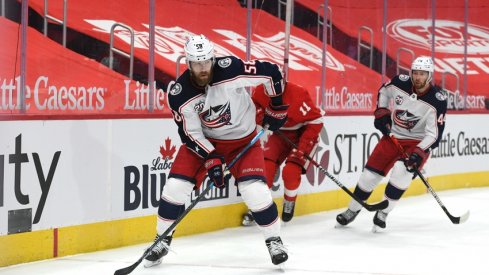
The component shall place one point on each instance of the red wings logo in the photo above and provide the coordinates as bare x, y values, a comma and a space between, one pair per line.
168, 150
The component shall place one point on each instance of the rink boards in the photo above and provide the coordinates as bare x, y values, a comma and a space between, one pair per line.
73, 186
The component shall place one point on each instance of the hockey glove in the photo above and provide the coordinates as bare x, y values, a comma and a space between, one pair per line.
297, 156
275, 117
214, 164
383, 121
415, 159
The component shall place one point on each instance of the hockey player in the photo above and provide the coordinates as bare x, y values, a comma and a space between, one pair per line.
304, 123
216, 120
417, 119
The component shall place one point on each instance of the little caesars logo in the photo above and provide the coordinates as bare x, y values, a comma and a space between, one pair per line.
449, 35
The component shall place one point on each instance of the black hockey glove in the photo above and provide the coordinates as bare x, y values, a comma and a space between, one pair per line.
275, 117
214, 163
415, 159
383, 120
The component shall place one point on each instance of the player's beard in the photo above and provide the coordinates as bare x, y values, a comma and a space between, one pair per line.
203, 78
419, 85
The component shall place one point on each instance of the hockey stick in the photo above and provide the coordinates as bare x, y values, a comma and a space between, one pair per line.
370, 207
455, 220
129, 269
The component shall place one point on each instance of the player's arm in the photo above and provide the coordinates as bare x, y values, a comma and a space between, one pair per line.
435, 126
421, 152
257, 72
189, 125
308, 114
431, 131
266, 73
261, 102
383, 116
383, 95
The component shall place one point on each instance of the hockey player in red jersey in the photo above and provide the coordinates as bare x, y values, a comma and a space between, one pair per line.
303, 126
417, 120
216, 120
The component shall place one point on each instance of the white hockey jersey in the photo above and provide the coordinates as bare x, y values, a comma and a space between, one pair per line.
224, 109
418, 117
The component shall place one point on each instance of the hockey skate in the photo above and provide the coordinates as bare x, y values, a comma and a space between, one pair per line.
379, 221
288, 210
278, 253
346, 217
248, 219
160, 250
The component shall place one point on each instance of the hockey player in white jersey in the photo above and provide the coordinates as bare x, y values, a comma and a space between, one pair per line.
417, 119
216, 120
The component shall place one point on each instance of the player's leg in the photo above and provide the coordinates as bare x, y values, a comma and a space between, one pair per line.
176, 192
378, 165
250, 179
258, 198
366, 184
399, 181
172, 203
275, 153
270, 170
296, 164
291, 175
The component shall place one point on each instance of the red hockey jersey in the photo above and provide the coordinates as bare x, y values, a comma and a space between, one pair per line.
302, 110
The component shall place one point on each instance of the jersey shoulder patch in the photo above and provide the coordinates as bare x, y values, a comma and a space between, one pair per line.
181, 91
402, 82
176, 89
225, 62
227, 67
441, 95
403, 77
437, 98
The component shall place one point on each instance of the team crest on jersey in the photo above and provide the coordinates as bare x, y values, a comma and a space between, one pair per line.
217, 116
176, 89
441, 96
405, 119
224, 63
399, 100
403, 77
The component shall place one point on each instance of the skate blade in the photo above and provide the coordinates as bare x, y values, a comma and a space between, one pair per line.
281, 267
151, 263
282, 223
377, 229
339, 225
248, 223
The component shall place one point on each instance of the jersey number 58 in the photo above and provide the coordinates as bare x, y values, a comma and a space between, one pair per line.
250, 67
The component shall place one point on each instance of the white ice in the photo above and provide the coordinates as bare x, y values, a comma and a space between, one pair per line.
419, 239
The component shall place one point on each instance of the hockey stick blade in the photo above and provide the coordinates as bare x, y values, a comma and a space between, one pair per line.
377, 206
129, 269
461, 219
453, 219
370, 207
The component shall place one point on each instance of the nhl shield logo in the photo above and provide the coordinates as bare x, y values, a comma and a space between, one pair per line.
224, 63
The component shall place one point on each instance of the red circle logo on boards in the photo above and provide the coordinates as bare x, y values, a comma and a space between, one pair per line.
449, 35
